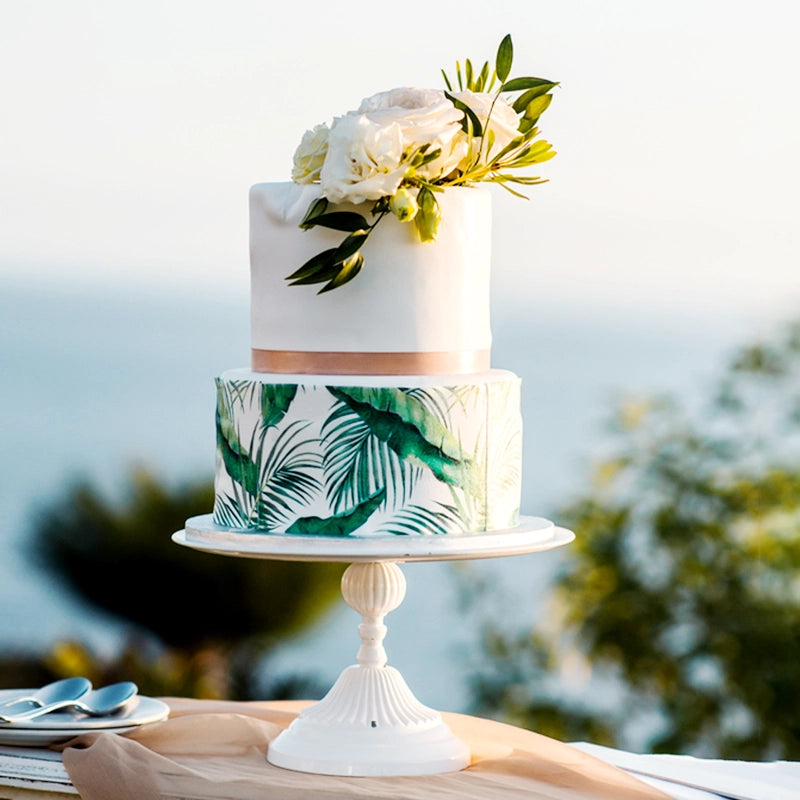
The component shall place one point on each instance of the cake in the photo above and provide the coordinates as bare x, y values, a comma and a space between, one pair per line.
370, 407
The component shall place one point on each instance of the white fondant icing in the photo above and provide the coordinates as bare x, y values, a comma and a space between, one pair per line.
410, 296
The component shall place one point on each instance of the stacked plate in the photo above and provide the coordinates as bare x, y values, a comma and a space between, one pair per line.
44, 716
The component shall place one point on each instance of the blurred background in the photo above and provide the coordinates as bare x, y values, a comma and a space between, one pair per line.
657, 262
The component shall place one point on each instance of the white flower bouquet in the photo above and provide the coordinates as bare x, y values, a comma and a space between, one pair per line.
399, 148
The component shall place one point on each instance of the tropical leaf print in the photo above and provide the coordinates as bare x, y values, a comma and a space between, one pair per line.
274, 472
404, 424
416, 520
275, 401
236, 458
441, 401
504, 455
288, 470
357, 464
339, 524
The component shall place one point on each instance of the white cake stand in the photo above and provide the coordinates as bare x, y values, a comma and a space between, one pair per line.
370, 723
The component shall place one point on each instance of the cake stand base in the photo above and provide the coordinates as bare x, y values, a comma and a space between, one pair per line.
355, 731
370, 723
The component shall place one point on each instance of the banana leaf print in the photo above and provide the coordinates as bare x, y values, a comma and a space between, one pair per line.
275, 401
236, 458
415, 434
339, 524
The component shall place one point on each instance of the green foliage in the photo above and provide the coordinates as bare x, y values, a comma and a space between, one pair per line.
342, 524
123, 560
337, 265
404, 424
414, 198
681, 585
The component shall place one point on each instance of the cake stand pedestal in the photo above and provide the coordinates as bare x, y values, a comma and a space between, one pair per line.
370, 723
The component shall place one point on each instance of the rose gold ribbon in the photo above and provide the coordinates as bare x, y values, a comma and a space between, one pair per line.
320, 363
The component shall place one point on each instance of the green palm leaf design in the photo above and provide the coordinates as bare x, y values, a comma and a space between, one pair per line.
442, 400
357, 464
288, 470
275, 471
275, 401
409, 429
238, 391
238, 464
339, 524
415, 520
228, 512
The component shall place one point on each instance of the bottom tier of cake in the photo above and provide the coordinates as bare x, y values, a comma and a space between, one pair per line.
344, 455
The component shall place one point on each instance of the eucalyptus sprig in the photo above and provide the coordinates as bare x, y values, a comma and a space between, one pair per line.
415, 197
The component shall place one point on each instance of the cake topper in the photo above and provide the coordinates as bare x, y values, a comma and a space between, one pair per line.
400, 148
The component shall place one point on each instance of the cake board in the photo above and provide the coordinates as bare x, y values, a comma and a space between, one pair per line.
370, 723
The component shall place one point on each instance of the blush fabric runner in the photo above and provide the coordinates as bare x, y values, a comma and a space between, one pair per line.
217, 749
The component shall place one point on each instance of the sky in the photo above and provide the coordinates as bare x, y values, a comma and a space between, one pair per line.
130, 133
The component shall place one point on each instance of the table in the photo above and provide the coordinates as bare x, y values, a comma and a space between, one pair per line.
508, 763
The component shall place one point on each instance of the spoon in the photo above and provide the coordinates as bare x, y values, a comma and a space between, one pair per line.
63, 690
97, 703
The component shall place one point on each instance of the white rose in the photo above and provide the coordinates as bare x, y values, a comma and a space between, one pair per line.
504, 121
364, 160
425, 117
310, 155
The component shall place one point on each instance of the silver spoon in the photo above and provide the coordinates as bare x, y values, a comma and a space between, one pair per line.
66, 689
97, 703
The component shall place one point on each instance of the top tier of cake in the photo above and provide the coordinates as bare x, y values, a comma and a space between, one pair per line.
417, 308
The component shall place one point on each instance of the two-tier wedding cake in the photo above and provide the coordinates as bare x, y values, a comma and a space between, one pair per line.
370, 406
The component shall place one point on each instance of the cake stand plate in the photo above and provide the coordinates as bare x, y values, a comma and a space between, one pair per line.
370, 723
531, 535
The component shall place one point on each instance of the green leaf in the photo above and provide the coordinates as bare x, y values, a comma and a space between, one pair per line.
289, 465
339, 524
521, 103
468, 78
505, 55
510, 147
470, 116
413, 432
316, 208
318, 268
483, 78
275, 401
537, 107
518, 84
416, 520
356, 463
338, 221
352, 244
347, 271
236, 459
446, 81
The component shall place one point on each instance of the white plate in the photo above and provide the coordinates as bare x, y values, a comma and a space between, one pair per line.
44, 738
61, 725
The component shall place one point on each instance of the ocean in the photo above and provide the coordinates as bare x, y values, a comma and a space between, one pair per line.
96, 379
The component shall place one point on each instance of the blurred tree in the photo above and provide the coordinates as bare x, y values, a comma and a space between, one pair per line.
680, 597
200, 622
